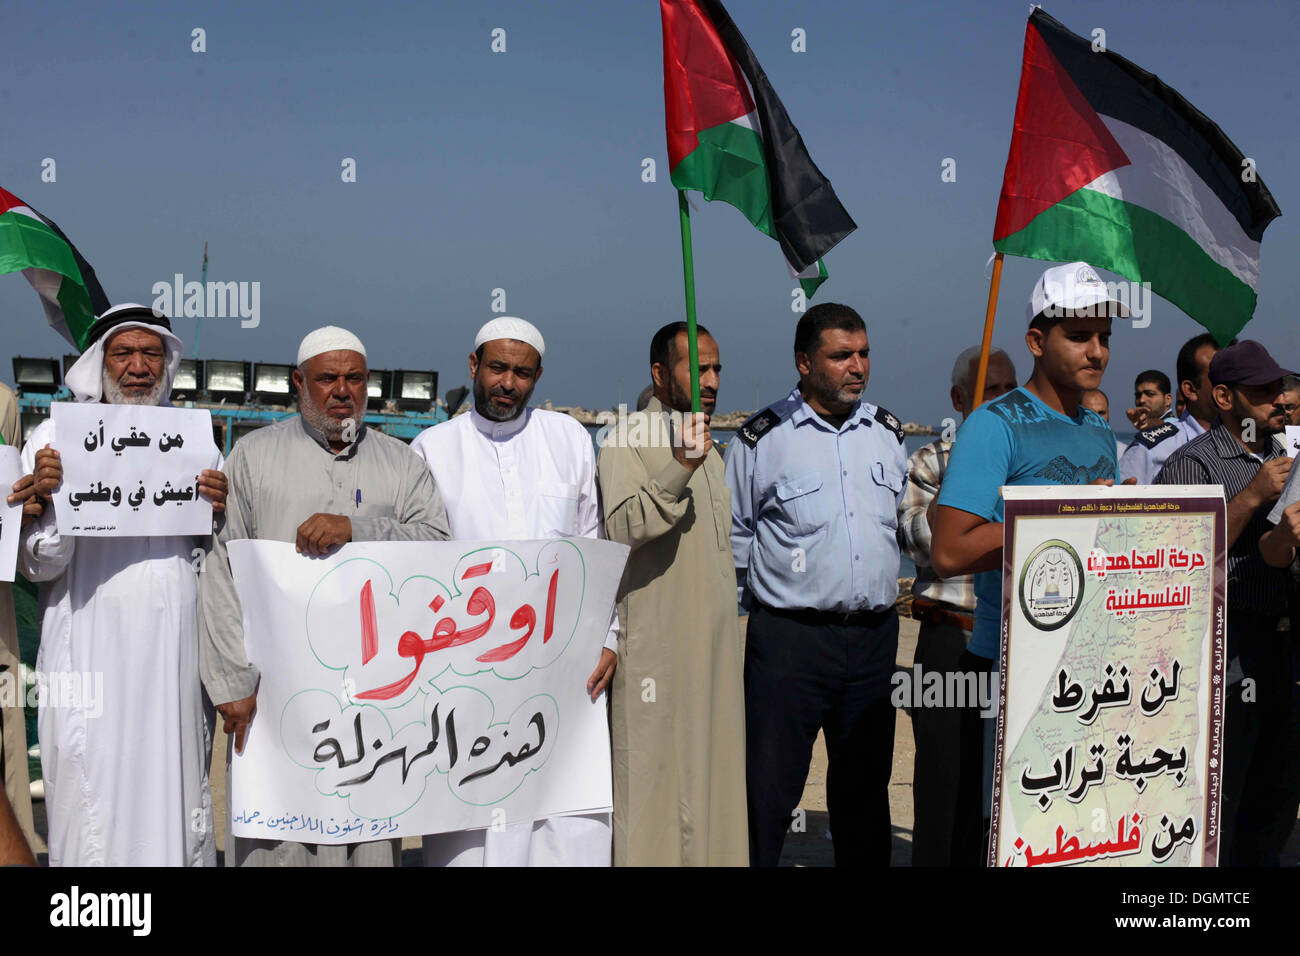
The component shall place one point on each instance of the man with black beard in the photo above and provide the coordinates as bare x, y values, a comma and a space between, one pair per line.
815, 482
320, 478
679, 753
510, 472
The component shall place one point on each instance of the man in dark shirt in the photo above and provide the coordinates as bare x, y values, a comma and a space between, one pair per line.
1261, 766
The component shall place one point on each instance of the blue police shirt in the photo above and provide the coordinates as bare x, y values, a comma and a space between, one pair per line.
1017, 439
1148, 452
814, 509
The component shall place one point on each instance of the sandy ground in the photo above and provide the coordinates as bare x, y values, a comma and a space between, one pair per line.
812, 847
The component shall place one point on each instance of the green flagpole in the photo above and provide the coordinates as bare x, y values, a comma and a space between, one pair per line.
688, 276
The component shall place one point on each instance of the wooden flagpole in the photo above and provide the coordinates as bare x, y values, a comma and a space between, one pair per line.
977, 397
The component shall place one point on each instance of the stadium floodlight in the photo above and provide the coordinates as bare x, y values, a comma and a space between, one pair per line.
415, 391
30, 418
273, 384
37, 374
188, 382
226, 379
379, 388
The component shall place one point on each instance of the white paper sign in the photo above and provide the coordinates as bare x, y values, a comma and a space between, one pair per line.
11, 516
132, 469
422, 687
1292, 440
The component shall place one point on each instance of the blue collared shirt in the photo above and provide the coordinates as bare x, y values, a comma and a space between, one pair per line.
1147, 453
814, 509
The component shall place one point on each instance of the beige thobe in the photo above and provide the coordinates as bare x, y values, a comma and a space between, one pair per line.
13, 730
678, 705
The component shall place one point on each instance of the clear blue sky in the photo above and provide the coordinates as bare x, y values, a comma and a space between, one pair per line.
522, 171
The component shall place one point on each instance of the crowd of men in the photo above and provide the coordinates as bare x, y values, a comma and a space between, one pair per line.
800, 522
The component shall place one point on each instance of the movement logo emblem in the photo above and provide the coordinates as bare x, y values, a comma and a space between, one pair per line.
1051, 585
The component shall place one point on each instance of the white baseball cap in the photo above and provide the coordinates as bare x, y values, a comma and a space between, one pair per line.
1073, 289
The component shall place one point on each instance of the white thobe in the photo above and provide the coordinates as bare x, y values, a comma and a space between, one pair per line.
126, 733
533, 477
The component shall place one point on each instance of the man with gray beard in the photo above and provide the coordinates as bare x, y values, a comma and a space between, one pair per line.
125, 765
320, 479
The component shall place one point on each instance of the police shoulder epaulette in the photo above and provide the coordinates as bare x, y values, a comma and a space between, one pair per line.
757, 426
1154, 436
889, 421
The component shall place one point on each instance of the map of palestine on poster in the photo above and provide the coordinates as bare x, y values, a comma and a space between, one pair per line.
1113, 653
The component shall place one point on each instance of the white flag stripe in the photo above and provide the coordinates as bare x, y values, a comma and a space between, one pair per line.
1160, 180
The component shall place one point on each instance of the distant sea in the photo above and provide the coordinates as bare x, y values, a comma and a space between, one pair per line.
912, 442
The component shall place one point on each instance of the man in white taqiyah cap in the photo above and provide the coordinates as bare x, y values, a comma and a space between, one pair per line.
510, 472
318, 479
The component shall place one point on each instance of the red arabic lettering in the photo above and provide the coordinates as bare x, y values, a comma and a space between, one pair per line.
446, 635
369, 629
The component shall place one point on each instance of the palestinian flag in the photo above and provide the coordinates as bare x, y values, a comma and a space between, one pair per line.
1111, 166
69, 291
730, 138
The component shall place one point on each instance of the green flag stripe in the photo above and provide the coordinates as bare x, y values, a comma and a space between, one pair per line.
78, 313
728, 165
1142, 246
810, 285
27, 242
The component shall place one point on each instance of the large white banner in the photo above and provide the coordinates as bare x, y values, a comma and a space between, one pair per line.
132, 469
11, 516
422, 687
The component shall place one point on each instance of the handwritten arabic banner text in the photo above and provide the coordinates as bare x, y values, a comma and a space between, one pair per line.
422, 687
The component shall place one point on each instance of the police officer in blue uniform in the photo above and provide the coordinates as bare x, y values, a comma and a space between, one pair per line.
815, 483
1147, 453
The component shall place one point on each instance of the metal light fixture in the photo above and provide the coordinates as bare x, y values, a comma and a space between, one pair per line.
188, 382
37, 374
379, 388
30, 418
273, 384
227, 379
415, 391
455, 398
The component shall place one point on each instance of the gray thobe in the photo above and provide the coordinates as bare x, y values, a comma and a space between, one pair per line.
280, 476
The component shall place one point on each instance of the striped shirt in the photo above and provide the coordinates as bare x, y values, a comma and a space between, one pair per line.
1217, 458
925, 470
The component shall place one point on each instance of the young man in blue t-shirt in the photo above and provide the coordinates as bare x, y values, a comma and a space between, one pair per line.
1037, 434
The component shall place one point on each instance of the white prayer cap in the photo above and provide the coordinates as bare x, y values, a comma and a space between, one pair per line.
508, 327
329, 338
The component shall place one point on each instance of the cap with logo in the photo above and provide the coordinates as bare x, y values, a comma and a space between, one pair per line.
1073, 289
